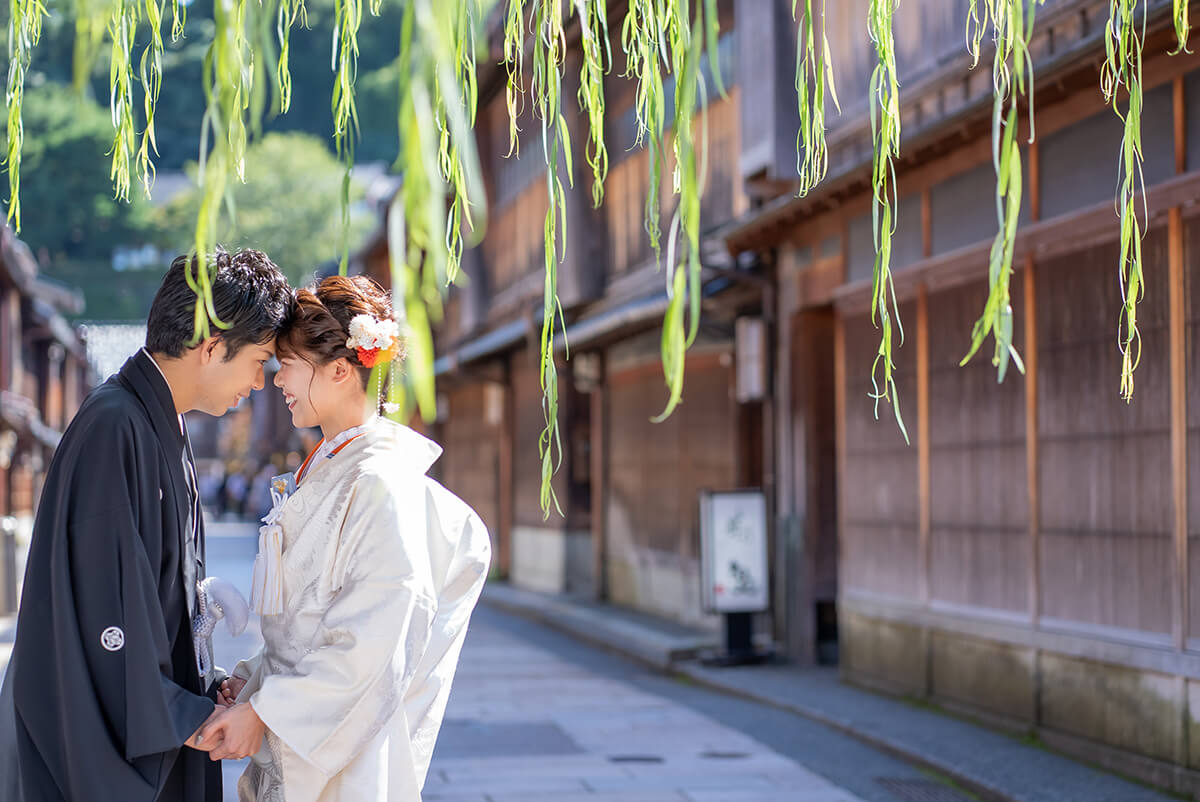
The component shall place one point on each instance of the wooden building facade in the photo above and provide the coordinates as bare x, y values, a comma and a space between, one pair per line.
44, 375
1029, 557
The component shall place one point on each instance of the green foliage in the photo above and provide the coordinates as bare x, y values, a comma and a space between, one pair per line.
1179, 15
1012, 77
251, 62
549, 52
437, 149
814, 77
66, 180
885, 131
24, 30
288, 213
1123, 68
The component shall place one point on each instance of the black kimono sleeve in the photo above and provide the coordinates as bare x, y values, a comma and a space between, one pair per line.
99, 688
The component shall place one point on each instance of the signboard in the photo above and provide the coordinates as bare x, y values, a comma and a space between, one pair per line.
750, 338
733, 551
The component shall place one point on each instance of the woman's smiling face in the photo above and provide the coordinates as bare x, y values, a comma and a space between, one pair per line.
303, 390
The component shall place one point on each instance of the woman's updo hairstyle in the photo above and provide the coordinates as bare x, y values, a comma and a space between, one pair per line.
320, 321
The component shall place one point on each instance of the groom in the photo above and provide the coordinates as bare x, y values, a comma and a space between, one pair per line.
104, 694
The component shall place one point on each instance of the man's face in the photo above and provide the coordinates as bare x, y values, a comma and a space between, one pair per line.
224, 383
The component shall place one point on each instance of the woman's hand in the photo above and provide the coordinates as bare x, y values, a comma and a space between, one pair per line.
234, 733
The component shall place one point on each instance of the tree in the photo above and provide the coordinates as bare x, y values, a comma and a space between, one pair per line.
442, 195
62, 176
290, 213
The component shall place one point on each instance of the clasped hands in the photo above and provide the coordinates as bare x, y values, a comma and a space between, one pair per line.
233, 731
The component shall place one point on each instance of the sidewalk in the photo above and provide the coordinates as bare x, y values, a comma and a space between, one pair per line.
8, 634
992, 765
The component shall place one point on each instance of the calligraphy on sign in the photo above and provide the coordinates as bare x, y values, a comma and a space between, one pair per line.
733, 551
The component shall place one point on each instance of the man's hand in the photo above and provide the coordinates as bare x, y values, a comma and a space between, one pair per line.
230, 689
197, 741
233, 733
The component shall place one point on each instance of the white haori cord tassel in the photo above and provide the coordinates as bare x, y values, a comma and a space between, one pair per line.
216, 599
266, 592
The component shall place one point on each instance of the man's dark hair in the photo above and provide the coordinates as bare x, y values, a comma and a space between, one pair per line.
249, 294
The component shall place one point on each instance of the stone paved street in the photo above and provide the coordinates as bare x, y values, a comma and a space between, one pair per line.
525, 724
538, 717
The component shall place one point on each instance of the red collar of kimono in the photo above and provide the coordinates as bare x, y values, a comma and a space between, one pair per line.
304, 468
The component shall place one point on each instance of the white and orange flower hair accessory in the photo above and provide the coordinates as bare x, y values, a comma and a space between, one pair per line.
375, 341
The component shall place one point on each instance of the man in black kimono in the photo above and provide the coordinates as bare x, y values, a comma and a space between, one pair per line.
104, 694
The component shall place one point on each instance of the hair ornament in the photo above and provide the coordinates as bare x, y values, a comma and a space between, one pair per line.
375, 341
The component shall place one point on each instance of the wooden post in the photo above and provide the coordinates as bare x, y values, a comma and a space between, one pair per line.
924, 480
923, 468
1032, 471
1178, 361
599, 471
839, 393
507, 490
1178, 351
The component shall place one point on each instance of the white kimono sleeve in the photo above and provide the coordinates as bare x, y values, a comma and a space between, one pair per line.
469, 553
351, 682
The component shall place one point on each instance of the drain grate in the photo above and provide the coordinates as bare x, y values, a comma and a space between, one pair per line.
635, 759
711, 755
920, 790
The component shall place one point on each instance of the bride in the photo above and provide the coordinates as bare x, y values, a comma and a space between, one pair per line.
366, 577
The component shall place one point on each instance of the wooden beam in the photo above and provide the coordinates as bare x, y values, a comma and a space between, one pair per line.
923, 468
779, 218
1044, 238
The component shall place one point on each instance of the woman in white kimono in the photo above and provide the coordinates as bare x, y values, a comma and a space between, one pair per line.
366, 577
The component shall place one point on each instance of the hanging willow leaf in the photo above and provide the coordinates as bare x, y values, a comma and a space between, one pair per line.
436, 108
597, 60
24, 30
456, 157
289, 12
122, 26
549, 53
227, 73
885, 131
1012, 76
1182, 26
178, 19
814, 77
684, 277
642, 40
348, 16
1123, 69
414, 226
514, 60
91, 23
150, 71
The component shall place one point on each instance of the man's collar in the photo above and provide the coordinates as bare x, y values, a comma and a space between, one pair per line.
158, 367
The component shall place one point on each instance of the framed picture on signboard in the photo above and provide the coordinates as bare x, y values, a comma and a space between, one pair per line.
733, 551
